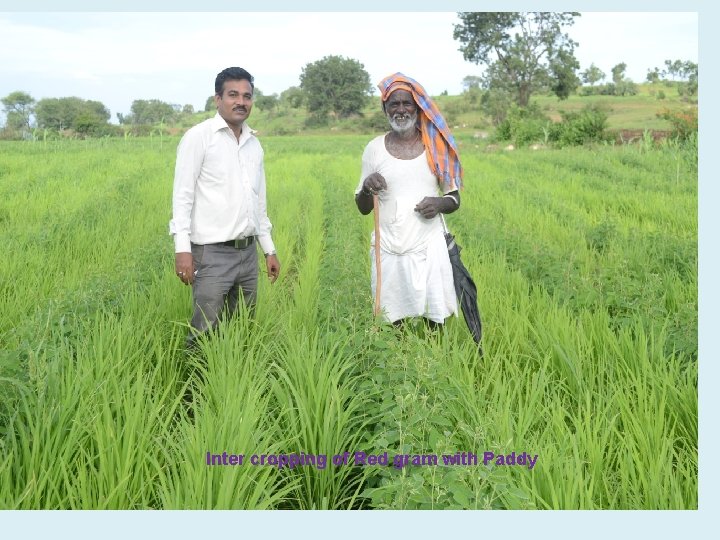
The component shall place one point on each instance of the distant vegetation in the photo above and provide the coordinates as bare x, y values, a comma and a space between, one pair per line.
523, 97
530, 92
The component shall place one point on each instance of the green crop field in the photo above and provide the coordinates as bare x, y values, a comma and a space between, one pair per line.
586, 266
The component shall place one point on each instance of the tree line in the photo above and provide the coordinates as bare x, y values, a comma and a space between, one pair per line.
523, 53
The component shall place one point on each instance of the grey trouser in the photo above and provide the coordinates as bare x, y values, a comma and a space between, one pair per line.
223, 273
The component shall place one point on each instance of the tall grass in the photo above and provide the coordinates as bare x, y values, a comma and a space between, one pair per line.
586, 265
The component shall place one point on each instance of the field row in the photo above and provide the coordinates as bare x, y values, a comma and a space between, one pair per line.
586, 264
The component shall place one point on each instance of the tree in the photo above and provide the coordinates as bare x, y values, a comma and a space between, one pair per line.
335, 85
152, 111
622, 85
18, 107
618, 72
87, 123
210, 103
674, 68
592, 75
563, 80
471, 81
188, 109
294, 97
686, 73
519, 49
689, 71
266, 103
677, 68
653, 76
70, 112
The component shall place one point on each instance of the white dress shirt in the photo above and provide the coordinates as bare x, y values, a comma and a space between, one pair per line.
219, 188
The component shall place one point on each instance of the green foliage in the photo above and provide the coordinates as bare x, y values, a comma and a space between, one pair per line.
471, 82
618, 72
523, 125
684, 122
623, 88
267, 102
150, 111
563, 80
523, 50
586, 265
577, 128
335, 86
495, 104
210, 103
86, 123
293, 97
684, 74
683, 70
16, 121
62, 113
376, 122
592, 75
18, 107
653, 76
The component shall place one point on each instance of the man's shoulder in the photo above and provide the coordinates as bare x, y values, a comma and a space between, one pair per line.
377, 143
379, 140
207, 125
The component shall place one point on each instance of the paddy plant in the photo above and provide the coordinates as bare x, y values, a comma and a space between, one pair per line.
586, 265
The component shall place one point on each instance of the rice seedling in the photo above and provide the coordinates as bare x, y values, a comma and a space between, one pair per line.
586, 266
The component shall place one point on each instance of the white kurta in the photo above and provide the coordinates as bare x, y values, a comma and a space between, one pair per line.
417, 277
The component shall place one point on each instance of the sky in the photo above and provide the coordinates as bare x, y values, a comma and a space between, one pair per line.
116, 58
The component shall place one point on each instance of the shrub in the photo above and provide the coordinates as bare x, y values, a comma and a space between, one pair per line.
523, 125
684, 122
317, 119
578, 128
376, 121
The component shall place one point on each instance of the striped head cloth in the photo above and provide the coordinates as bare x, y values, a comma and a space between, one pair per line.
440, 148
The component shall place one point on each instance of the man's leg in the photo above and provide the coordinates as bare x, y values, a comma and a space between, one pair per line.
246, 280
212, 283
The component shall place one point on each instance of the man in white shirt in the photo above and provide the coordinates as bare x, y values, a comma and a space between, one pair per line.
219, 206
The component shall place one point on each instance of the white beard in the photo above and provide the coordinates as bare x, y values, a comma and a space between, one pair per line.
403, 123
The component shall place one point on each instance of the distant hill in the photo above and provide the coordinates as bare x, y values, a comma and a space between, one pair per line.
625, 113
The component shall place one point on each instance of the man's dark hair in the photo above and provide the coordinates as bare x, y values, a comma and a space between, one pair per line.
232, 74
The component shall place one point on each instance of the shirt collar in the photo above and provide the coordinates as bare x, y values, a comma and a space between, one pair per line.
218, 123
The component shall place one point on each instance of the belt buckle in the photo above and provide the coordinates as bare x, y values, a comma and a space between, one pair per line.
242, 243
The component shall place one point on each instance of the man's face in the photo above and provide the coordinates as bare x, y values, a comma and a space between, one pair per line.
235, 103
401, 111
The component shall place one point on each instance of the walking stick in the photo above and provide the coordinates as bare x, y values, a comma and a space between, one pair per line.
378, 273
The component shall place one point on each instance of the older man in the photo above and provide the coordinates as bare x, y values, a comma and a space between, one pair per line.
415, 170
219, 208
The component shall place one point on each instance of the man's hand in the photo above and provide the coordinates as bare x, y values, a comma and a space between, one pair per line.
371, 185
273, 267
184, 268
374, 183
429, 207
